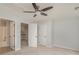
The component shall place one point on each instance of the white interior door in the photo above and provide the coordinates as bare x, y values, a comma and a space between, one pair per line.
12, 35
32, 35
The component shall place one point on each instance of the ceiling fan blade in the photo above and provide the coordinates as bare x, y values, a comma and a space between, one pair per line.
35, 15
48, 8
29, 11
35, 6
44, 14
76, 8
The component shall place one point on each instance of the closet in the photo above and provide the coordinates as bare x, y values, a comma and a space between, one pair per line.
6, 36
4, 33
24, 35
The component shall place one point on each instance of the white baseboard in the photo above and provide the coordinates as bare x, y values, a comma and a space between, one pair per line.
61, 46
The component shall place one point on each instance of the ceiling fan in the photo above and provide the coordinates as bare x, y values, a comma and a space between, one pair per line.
38, 10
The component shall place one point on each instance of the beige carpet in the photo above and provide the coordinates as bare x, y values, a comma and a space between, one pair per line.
43, 51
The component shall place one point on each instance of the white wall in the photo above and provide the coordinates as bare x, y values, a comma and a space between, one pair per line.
17, 35
66, 33
66, 27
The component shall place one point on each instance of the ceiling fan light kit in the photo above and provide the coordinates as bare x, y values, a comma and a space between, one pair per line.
42, 11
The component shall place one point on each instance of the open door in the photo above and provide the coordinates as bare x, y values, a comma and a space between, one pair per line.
32, 35
4, 39
12, 35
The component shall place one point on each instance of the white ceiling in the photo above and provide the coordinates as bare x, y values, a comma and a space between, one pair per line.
59, 11
26, 6
59, 7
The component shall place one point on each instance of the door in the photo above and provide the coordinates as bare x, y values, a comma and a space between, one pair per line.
12, 35
4, 39
32, 35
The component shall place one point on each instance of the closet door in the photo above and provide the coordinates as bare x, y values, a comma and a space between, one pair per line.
32, 35
3, 37
12, 35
